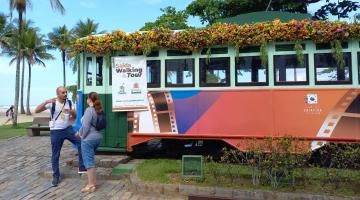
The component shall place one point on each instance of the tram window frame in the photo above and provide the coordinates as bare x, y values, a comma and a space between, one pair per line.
337, 82
167, 63
306, 65
110, 70
358, 58
204, 63
89, 71
156, 83
252, 83
99, 71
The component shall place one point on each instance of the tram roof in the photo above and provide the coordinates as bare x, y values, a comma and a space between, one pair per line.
264, 16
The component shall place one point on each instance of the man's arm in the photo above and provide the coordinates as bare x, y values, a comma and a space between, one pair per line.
41, 107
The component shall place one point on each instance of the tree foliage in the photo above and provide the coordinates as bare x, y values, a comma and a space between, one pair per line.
341, 9
211, 10
171, 19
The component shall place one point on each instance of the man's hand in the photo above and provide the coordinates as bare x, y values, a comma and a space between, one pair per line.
77, 134
53, 100
42, 107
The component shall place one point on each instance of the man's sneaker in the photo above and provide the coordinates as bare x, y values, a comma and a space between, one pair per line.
82, 171
55, 182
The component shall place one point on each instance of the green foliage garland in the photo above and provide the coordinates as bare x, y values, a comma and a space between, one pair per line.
299, 52
263, 54
337, 53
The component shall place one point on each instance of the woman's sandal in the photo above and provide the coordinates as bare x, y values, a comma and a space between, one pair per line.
89, 188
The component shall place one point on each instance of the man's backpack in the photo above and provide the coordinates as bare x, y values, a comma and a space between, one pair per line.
100, 121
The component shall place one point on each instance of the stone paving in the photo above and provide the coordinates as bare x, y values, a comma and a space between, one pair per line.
23, 159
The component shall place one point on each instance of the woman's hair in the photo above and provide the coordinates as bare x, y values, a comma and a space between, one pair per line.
11, 107
94, 97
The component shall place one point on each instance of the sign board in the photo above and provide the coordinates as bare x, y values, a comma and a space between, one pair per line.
129, 85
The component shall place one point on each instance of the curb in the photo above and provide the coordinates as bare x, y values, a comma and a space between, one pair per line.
100, 162
218, 192
67, 172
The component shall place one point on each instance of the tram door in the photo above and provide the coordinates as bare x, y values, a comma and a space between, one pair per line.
115, 134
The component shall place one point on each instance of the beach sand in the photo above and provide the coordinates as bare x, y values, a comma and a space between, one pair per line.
23, 117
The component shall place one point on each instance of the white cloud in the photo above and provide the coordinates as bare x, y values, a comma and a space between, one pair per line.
153, 1
88, 4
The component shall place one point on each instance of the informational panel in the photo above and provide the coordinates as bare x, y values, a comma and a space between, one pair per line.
129, 85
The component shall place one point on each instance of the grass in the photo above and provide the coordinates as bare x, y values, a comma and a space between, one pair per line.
8, 131
339, 182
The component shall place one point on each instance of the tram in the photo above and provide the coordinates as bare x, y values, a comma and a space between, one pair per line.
229, 83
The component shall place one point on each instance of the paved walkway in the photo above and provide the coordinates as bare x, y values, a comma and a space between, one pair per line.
23, 159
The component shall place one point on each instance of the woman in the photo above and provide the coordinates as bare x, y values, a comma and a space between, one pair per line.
90, 139
9, 114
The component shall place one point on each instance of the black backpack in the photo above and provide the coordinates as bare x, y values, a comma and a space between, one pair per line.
100, 121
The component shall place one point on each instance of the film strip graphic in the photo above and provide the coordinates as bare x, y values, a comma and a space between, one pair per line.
133, 122
162, 111
338, 112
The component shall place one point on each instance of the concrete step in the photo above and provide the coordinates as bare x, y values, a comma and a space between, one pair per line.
105, 161
122, 169
72, 172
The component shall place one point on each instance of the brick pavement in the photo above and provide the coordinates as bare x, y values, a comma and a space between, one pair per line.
22, 159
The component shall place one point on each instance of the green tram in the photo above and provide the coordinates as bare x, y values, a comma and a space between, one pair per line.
294, 82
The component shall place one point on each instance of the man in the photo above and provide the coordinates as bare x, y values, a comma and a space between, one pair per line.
61, 129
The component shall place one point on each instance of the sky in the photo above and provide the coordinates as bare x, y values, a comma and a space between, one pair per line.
126, 15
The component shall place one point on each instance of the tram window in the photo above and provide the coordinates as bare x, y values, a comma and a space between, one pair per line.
89, 71
179, 73
214, 72
153, 54
99, 71
215, 50
250, 72
153, 73
178, 53
287, 47
249, 49
329, 72
288, 71
324, 46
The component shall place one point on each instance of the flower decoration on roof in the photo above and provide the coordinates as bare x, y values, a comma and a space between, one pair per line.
217, 34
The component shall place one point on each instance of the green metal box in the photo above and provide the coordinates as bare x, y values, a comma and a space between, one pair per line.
192, 166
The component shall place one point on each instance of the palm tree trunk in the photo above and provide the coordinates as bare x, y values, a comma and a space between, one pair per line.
22, 87
268, 6
63, 60
17, 79
28, 112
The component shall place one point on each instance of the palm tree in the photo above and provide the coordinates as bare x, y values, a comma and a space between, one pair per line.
20, 6
11, 49
5, 31
83, 29
26, 26
60, 38
35, 51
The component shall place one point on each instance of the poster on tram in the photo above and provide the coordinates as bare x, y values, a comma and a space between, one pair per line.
129, 85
